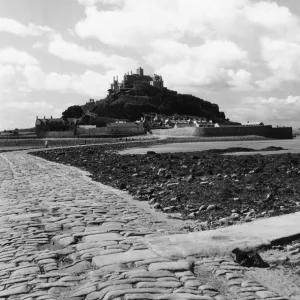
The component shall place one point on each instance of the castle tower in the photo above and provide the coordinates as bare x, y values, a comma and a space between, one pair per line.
140, 71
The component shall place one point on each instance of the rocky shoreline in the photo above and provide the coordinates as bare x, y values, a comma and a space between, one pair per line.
211, 188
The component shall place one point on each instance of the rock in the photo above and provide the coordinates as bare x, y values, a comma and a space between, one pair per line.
203, 225
235, 216
192, 284
190, 178
211, 207
192, 215
207, 287
204, 183
63, 240
294, 252
230, 276
175, 216
161, 171
126, 257
253, 289
202, 207
102, 237
78, 267
156, 206
25, 271
227, 220
151, 152
4, 266
122, 186
181, 265
220, 297
248, 259
148, 274
293, 247
22, 289
163, 284
152, 201
168, 208
266, 294
269, 197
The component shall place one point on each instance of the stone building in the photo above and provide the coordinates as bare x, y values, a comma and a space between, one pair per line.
54, 124
136, 81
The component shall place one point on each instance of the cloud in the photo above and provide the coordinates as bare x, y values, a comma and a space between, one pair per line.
105, 2
38, 45
240, 79
282, 59
277, 19
75, 53
16, 57
17, 28
12, 62
39, 105
200, 66
7, 75
21, 113
23, 90
32, 78
21, 72
232, 46
272, 110
89, 83
142, 22
181, 28
125, 28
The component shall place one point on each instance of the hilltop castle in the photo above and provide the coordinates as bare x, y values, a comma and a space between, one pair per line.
136, 81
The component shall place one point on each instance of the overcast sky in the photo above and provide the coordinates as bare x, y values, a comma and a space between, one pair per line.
243, 55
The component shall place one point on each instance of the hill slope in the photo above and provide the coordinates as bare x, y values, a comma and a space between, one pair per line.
132, 104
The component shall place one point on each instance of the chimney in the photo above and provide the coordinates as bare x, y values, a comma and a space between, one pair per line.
114, 78
51, 117
117, 78
44, 118
37, 117
131, 73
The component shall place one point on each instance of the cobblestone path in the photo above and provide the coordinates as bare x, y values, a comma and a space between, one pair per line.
66, 237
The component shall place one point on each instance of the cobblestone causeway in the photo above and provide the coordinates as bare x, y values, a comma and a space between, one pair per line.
66, 237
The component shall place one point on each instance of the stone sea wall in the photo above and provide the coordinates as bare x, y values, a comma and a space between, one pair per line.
56, 134
91, 131
266, 131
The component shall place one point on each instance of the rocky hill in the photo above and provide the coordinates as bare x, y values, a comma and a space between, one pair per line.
132, 104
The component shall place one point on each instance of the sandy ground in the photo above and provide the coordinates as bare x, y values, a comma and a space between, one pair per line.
291, 146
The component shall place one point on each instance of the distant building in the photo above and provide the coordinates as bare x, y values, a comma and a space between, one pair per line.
136, 81
54, 124
253, 124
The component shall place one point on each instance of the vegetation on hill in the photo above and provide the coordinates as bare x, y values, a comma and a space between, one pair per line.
74, 111
131, 104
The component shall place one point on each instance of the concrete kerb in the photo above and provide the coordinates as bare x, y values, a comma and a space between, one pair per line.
246, 236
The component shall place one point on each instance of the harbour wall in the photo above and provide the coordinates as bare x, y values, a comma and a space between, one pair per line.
56, 134
266, 131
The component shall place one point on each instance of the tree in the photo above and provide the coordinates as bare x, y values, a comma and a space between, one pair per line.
74, 111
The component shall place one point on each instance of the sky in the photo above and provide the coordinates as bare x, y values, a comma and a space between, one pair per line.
243, 55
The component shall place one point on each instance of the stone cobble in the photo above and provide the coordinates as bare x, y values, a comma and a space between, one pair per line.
241, 285
66, 237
